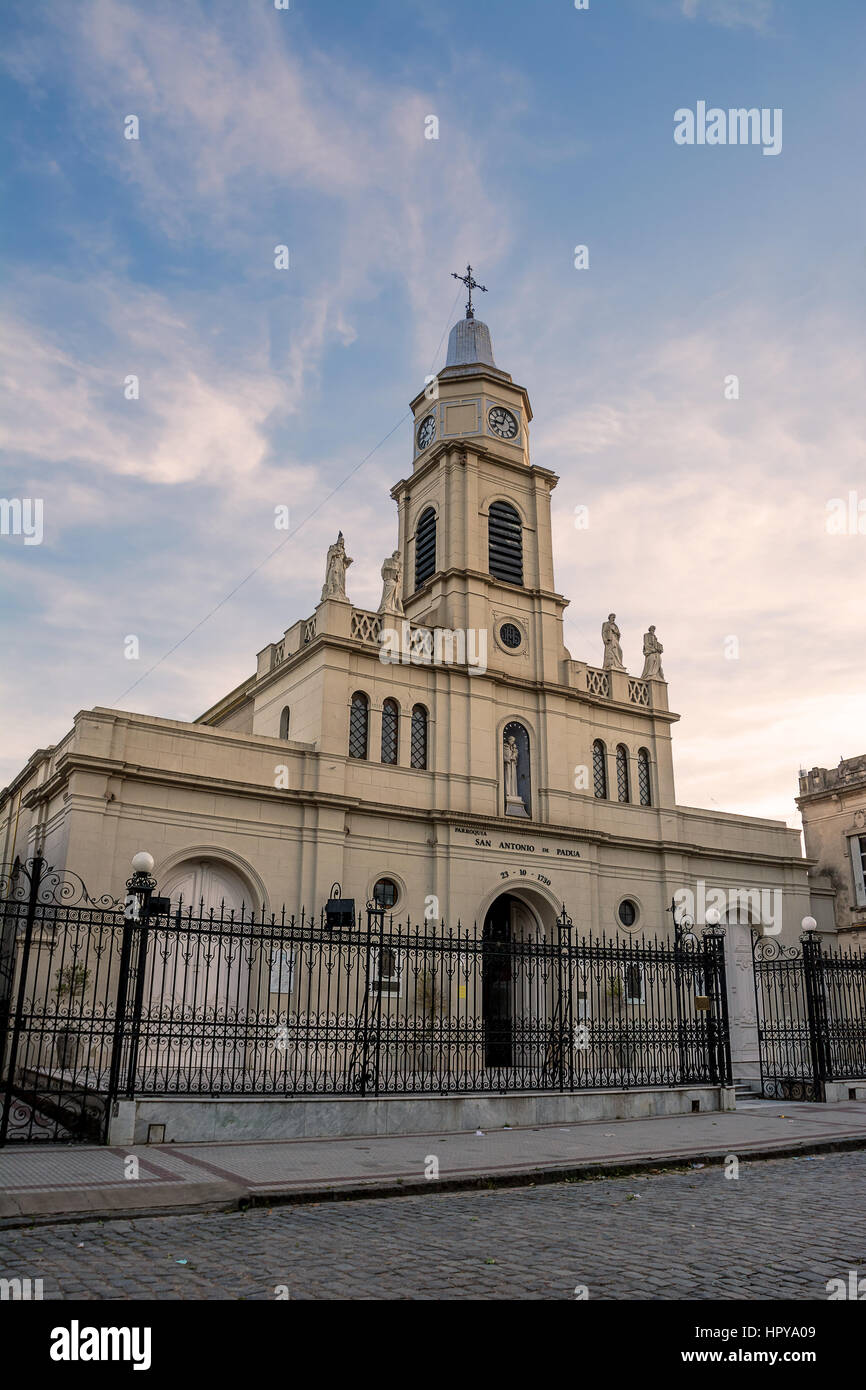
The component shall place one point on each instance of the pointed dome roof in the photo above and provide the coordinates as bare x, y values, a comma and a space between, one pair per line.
469, 348
469, 342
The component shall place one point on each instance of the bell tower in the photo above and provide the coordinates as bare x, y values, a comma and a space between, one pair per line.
475, 532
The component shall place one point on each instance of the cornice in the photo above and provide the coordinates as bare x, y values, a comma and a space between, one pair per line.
462, 448
494, 377
388, 811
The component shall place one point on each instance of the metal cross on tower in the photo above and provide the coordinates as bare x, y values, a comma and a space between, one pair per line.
471, 284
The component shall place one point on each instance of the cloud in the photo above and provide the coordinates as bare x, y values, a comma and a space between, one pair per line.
246, 144
708, 518
730, 14
194, 417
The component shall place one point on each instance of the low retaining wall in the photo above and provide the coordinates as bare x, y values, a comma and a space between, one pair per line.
192, 1119
844, 1090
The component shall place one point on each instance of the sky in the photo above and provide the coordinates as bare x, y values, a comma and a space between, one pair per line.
709, 512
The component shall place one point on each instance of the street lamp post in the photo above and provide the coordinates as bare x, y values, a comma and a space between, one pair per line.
683, 936
139, 890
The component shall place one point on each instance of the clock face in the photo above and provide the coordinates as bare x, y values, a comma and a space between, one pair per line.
426, 431
502, 422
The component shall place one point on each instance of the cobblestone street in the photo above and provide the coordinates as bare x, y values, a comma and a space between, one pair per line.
781, 1230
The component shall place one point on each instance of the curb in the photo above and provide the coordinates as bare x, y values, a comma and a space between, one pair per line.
212, 1198
590, 1171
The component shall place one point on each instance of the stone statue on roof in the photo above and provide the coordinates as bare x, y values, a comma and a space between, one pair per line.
335, 570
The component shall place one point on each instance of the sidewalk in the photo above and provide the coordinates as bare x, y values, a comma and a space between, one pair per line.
45, 1182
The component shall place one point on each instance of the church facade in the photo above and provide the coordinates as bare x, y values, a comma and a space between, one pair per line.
445, 755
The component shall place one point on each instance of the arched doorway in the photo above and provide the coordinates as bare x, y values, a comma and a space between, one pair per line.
205, 982
513, 984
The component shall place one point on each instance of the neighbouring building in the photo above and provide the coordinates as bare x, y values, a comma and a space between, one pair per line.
445, 754
832, 802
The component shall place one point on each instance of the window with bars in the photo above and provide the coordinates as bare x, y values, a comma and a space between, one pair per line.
599, 769
359, 720
643, 778
425, 547
418, 750
622, 773
284, 723
505, 543
386, 970
634, 984
390, 731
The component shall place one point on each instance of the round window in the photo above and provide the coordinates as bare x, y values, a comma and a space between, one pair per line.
510, 635
627, 912
385, 893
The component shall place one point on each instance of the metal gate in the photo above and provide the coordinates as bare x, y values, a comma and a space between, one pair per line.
59, 967
811, 1009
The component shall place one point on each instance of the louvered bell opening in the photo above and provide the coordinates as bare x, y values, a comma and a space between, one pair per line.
425, 548
505, 540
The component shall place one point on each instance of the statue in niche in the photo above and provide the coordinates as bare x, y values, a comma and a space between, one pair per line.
392, 587
652, 650
335, 570
610, 636
510, 755
514, 803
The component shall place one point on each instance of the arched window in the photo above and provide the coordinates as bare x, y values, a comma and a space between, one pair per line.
518, 798
643, 778
425, 547
419, 737
359, 719
505, 543
284, 723
621, 772
599, 769
390, 731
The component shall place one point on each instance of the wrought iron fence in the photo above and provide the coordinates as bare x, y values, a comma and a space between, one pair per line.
60, 952
175, 1000
811, 1008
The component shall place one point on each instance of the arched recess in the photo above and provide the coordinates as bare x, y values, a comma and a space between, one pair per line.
214, 874
516, 991
518, 730
206, 970
542, 905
